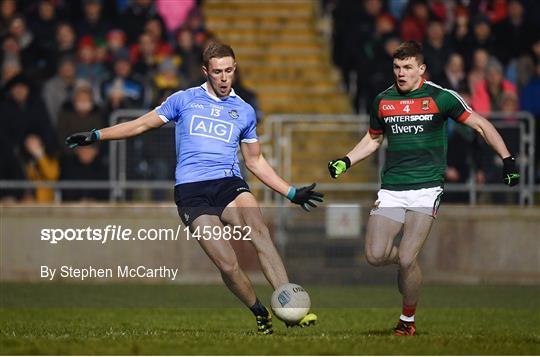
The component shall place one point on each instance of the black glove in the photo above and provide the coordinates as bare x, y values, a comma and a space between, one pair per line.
338, 166
304, 196
82, 139
510, 172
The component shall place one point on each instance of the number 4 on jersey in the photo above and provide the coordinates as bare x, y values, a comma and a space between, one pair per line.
406, 108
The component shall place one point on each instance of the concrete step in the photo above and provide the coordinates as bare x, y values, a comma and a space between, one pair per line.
268, 30
248, 38
264, 13
306, 90
259, 5
251, 25
251, 22
272, 106
280, 56
286, 45
287, 74
298, 95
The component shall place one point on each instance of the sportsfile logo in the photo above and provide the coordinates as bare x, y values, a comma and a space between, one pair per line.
211, 128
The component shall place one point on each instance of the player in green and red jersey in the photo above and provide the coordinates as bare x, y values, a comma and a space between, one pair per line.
412, 114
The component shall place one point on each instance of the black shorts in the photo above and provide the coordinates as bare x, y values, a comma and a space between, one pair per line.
207, 197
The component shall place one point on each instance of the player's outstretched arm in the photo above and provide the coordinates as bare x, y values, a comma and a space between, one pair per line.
135, 127
367, 146
493, 138
257, 164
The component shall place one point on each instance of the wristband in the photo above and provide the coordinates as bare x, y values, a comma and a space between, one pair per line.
291, 193
347, 161
97, 134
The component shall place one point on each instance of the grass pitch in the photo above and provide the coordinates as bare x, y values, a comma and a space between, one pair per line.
178, 319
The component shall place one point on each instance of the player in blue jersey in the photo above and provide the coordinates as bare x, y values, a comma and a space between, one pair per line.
210, 122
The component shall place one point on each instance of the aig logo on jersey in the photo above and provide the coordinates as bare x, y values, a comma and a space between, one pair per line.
211, 128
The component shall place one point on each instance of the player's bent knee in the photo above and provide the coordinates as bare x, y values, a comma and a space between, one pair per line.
376, 260
406, 261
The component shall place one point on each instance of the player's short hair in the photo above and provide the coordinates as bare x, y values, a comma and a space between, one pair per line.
409, 49
217, 49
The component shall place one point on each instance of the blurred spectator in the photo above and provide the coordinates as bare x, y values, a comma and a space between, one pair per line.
93, 24
385, 25
123, 89
493, 10
196, 24
463, 158
356, 24
66, 44
381, 76
343, 53
478, 71
154, 26
441, 8
460, 30
490, 162
79, 114
116, 40
415, 22
8, 8
39, 166
145, 56
85, 164
174, 14
530, 101
24, 114
10, 58
135, 17
190, 57
166, 81
454, 74
88, 67
10, 169
436, 49
10, 68
101, 54
530, 96
487, 94
480, 37
59, 88
44, 25
514, 34
29, 54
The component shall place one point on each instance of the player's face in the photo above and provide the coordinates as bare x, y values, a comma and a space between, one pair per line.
220, 75
408, 74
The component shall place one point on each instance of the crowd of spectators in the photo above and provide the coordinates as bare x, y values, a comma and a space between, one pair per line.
66, 64
486, 50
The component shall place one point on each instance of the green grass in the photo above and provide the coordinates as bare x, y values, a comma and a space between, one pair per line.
177, 319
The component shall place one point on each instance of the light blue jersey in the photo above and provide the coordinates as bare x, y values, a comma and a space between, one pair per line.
208, 131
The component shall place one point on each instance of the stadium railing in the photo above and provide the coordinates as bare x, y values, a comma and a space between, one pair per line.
147, 162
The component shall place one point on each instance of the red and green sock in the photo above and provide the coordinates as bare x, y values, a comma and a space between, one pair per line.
407, 313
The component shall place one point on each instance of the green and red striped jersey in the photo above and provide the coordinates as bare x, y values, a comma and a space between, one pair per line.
416, 128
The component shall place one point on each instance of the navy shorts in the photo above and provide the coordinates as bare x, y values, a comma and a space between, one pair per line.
210, 197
